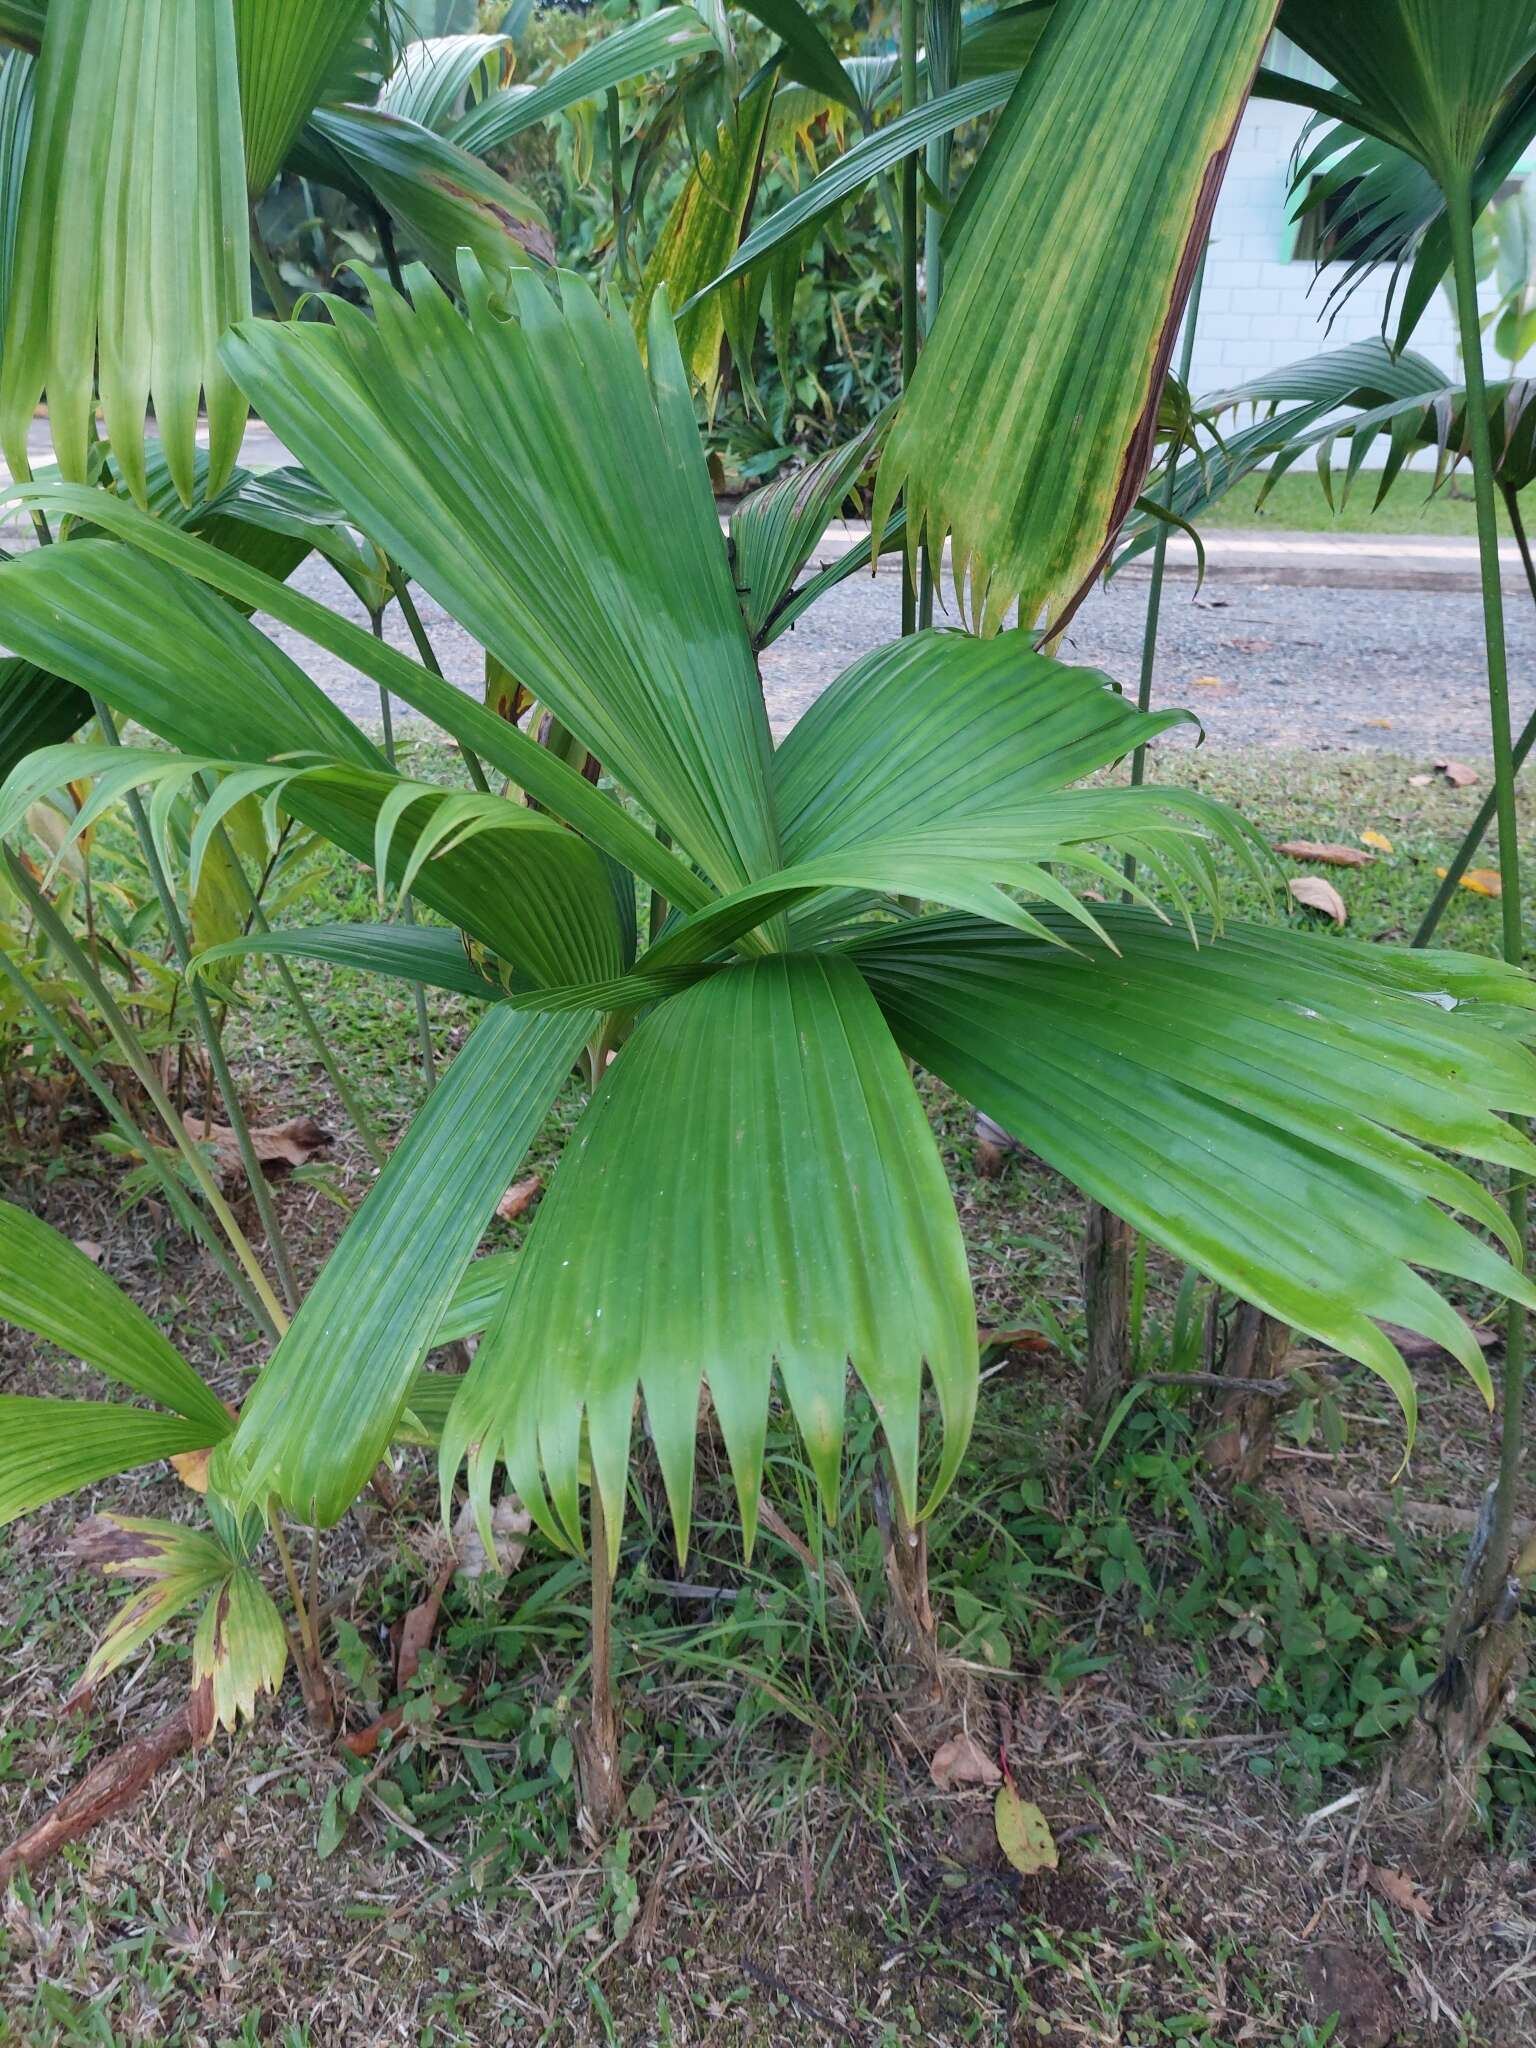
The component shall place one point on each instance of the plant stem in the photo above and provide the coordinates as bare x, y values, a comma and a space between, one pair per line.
182, 1206
1460, 213
213, 1043
418, 633
1522, 748
909, 243
364, 1125
407, 908
271, 279
1160, 551
269, 1308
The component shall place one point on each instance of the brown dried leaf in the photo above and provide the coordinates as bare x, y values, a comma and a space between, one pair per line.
1458, 774
1420, 781
1314, 893
520, 1198
1327, 854
420, 1626
1398, 1889
91, 1249
962, 1761
1416, 1347
191, 1468
275, 1145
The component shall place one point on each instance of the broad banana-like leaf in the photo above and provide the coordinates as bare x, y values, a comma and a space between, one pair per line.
443, 197
21, 23
454, 441
132, 245
285, 51
806, 56
320, 1415
852, 171
414, 952
36, 710
701, 233
1091, 198
775, 529
16, 85
68, 634
665, 37
753, 1186
1259, 1105
53, 1290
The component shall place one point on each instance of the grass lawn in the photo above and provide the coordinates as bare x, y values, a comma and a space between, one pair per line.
1178, 1680
1297, 505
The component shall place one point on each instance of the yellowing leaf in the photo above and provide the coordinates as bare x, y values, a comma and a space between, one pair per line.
1207, 683
1314, 893
1378, 840
1481, 881
1023, 1834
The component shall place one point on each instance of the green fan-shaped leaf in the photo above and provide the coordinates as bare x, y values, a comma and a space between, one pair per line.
131, 251
775, 530
1259, 1105
52, 1448
414, 952
432, 77
54, 599
454, 442
319, 1417
36, 710
285, 50
1091, 197
753, 1186
53, 1290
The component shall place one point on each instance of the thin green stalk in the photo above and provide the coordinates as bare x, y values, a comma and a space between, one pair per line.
271, 278
407, 909
362, 1123
943, 54
1522, 748
1460, 214
270, 1309
1160, 549
909, 247
418, 633
213, 1043
182, 1207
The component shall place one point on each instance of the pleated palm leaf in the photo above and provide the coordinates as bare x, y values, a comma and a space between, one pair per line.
752, 1198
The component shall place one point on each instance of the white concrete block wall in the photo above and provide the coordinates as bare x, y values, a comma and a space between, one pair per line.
1260, 310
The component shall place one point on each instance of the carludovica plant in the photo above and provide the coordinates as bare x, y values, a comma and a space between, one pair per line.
752, 1202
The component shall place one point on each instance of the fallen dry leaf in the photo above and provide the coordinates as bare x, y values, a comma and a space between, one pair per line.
275, 1145
962, 1761
1398, 1889
1314, 893
1023, 1833
1326, 854
1457, 773
191, 1468
1416, 1347
1382, 724
1420, 781
92, 1250
1206, 683
419, 1626
1481, 881
1379, 840
510, 1525
520, 1198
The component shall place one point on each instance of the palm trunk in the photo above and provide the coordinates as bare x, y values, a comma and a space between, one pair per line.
598, 1762
1106, 1311
1483, 1651
1243, 1425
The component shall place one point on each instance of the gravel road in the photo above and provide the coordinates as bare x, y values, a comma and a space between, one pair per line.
1275, 665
